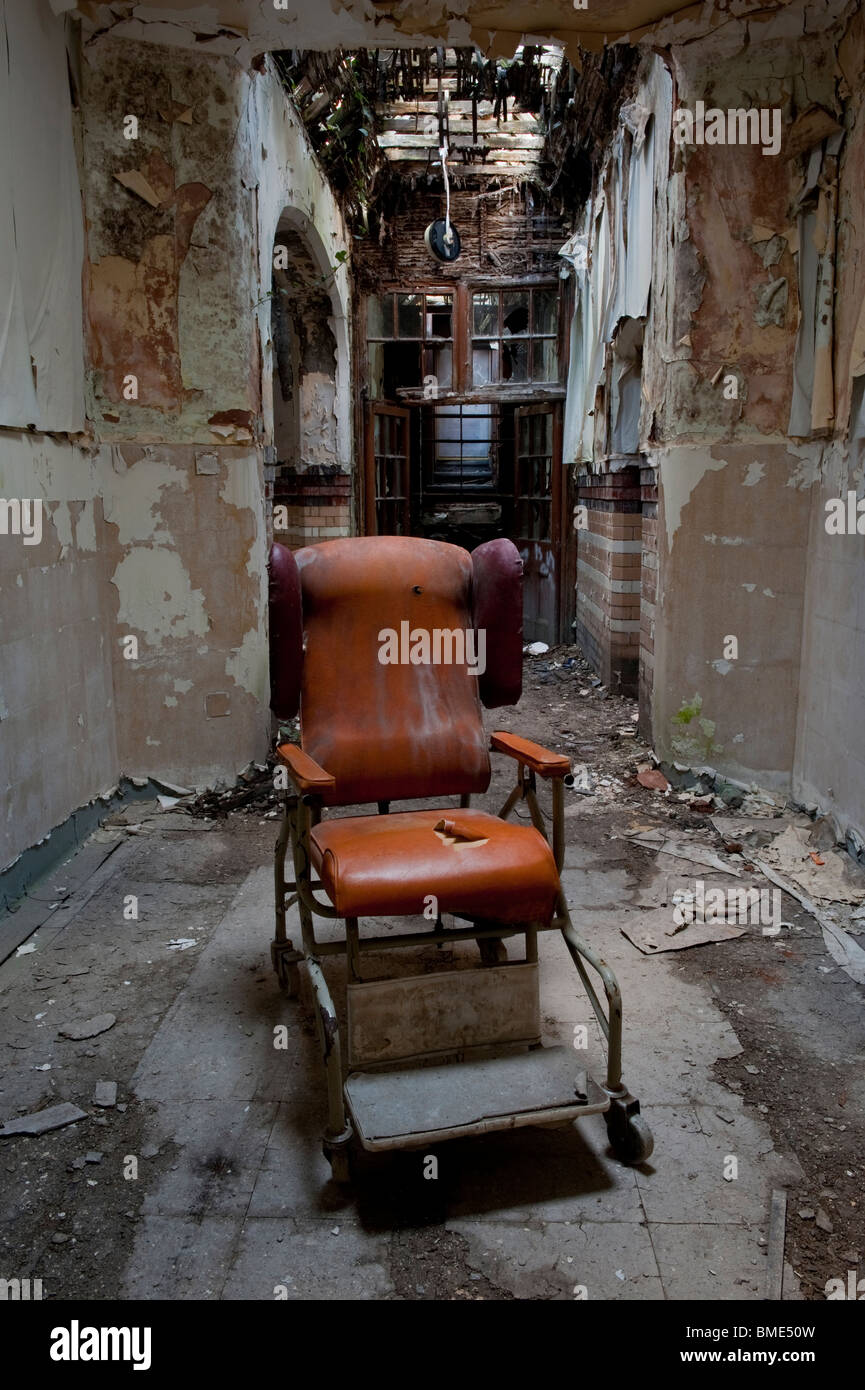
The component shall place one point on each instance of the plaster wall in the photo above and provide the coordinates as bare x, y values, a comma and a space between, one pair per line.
743, 550
829, 768
154, 525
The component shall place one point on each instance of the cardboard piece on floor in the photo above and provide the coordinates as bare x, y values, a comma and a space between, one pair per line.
835, 879
648, 931
753, 831
672, 876
680, 849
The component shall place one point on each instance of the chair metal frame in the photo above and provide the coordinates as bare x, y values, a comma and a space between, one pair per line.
628, 1134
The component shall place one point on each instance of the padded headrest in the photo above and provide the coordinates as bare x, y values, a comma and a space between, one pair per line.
286, 632
497, 608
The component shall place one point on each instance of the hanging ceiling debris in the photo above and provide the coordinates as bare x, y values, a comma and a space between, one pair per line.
378, 120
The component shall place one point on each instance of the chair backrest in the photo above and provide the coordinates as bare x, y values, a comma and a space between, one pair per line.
389, 704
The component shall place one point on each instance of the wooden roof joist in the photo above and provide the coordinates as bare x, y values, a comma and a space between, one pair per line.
491, 168
502, 140
526, 125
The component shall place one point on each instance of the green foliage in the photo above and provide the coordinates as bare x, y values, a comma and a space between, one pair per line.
687, 712
693, 737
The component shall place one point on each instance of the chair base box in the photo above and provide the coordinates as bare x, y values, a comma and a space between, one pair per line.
432, 1015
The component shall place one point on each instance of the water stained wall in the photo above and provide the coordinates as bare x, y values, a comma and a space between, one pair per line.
134, 635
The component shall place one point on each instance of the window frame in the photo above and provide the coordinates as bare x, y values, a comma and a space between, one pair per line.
530, 337
462, 377
425, 341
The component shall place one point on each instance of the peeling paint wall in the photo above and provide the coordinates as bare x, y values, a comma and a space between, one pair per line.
830, 749
172, 246
155, 528
228, 161
57, 713
743, 552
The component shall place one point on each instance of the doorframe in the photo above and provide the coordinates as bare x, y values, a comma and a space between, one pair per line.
558, 508
370, 511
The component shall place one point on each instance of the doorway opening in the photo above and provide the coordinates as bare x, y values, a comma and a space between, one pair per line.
311, 488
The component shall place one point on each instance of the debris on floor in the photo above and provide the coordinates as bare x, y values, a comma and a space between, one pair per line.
678, 849
88, 1027
656, 932
824, 874
621, 844
53, 1117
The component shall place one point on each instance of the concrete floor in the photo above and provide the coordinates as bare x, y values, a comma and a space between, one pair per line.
228, 1196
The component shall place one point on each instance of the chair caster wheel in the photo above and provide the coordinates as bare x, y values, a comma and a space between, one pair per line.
287, 972
630, 1137
340, 1163
289, 980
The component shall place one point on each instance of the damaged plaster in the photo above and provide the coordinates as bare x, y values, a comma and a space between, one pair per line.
156, 597
154, 521
681, 472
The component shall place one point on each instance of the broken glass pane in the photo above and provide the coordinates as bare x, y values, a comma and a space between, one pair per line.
409, 307
546, 307
376, 371
546, 364
484, 363
485, 308
402, 367
515, 361
515, 311
438, 316
438, 362
379, 316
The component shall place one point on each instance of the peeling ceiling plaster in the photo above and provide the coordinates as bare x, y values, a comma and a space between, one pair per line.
243, 28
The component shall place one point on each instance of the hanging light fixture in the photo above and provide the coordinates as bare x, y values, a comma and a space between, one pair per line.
441, 238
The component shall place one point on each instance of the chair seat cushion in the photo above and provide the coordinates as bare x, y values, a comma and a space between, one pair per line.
479, 867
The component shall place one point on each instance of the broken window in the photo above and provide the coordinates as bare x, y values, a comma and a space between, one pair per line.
409, 342
515, 336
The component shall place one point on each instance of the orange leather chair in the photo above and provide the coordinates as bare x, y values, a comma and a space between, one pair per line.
364, 639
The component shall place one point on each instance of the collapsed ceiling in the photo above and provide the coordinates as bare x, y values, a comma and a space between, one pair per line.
378, 119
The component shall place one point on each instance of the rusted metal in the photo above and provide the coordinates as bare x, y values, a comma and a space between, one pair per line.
328, 1032
610, 1020
279, 874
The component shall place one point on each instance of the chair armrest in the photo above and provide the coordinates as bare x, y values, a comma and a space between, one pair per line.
305, 773
540, 760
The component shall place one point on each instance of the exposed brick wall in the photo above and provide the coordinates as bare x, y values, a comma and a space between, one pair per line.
648, 595
317, 503
501, 235
609, 575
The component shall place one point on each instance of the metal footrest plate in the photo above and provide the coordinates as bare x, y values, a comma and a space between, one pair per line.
419, 1105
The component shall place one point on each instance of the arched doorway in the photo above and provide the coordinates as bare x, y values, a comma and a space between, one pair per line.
309, 475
